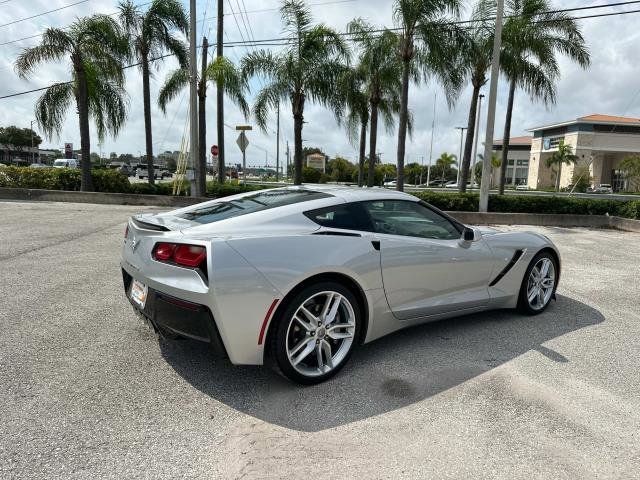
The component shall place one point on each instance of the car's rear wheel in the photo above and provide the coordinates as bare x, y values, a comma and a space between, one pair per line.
539, 284
316, 333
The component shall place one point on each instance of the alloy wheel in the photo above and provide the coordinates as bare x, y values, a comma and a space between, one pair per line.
541, 283
320, 333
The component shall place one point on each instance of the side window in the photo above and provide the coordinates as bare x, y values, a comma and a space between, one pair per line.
348, 216
401, 217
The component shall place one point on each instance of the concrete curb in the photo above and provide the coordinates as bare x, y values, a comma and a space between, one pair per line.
547, 220
97, 197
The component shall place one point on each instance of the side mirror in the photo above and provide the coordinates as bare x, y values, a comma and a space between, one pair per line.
468, 235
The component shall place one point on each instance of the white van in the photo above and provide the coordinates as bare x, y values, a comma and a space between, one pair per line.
65, 163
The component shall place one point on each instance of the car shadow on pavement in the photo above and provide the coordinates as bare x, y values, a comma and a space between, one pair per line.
390, 373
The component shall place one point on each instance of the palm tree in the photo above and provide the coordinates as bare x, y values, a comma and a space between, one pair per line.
427, 44
150, 36
475, 59
308, 68
220, 69
96, 48
533, 35
564, 155
495, 163
351, 89
444, 162
382, 73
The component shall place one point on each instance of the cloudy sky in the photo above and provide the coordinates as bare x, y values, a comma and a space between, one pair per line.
611, 86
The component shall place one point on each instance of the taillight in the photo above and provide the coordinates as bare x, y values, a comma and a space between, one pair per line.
184, 255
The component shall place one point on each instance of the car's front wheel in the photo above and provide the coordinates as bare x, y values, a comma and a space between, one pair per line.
316, 333
539, 284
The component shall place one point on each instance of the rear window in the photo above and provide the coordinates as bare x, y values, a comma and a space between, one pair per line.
262, 200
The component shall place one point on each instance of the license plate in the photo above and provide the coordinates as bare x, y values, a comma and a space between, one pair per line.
139, 293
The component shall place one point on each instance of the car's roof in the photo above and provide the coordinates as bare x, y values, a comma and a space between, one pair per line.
354, 194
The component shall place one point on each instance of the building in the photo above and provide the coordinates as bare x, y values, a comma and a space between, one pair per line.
22, 156
517, 160
601, 142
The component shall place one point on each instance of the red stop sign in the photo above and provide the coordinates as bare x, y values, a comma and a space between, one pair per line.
214, 150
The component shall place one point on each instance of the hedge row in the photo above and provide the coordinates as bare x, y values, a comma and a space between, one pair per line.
113, 181
468, 202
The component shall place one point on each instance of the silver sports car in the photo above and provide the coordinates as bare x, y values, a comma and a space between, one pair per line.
299, 276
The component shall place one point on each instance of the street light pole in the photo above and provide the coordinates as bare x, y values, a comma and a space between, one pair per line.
491, 113
462, 129
31, 129
193, 99
475, 146
433, 125
278, 142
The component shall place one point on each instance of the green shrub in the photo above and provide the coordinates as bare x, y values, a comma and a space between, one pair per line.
468, 202
163, 188
40, 178
109, 180
215, 189
311, 175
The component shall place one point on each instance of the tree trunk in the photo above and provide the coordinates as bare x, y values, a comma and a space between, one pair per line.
558, 176
468, 144
505, 138
402, 126
82, 100
146, 94
363, 151
222, 174
202, 124
373, 138
298, 119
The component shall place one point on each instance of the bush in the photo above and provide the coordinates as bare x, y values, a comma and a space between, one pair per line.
311, 175
41, 178
109, 180
215, 189
157, 188
468, 202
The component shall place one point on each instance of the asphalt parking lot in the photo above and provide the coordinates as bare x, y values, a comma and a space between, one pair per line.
86, 391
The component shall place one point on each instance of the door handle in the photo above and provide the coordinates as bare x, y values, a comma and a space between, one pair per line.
376, 244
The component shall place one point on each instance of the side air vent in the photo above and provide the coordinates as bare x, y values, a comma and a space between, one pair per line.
149, 226
505, 270
337, 234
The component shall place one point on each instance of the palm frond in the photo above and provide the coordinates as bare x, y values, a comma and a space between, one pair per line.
52, 106
223, 72
55, 44
173, 84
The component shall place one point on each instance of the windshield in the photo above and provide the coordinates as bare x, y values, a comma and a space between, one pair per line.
60, 163
256, 202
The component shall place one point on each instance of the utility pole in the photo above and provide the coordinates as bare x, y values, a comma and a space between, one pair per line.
491, 113
475, 146
193, 97
222, 174
32, 152
278, 142
433, 126
462, 129
288, 166
201, 169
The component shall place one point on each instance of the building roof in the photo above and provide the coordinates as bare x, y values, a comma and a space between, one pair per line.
595, 118
515, 141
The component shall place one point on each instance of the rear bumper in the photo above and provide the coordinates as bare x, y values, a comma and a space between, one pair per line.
178, 316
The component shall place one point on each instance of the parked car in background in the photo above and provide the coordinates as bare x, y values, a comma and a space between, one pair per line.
602, 188
122, 167
158, 173
65, 163
524, 186
453, 184
38, 165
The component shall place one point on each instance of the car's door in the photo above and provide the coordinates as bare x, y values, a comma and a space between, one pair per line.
427, 268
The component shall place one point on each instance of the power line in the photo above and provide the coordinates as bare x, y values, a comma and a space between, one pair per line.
285, 40
62, 28
44, 13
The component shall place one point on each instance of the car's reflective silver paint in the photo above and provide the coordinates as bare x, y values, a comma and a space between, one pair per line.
258, 258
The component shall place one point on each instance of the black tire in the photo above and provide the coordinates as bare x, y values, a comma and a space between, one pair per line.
523, 302
280, 330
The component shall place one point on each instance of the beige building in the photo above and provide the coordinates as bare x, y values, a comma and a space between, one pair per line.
517, 160
601, 142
